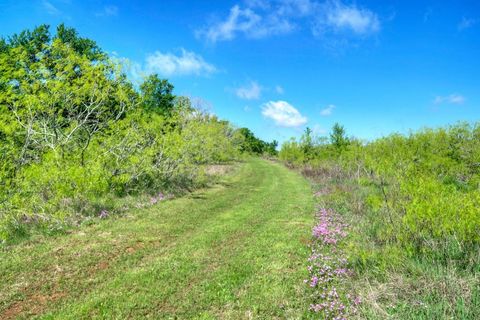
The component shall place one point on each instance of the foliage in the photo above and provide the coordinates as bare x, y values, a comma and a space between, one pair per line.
413, 201
254, 145
157, 95
427, 182
338, 138
74, 130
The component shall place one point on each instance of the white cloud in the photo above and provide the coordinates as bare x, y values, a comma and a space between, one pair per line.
262, 18
50, 8
245, 21
283, 113
328, 110
169, 64
450, 99
250, 92
279, 90
338, 17
466, 23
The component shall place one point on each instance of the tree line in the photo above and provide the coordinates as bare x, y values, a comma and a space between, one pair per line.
75, 132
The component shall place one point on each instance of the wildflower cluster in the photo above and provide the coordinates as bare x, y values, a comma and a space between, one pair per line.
328, 269
159, 197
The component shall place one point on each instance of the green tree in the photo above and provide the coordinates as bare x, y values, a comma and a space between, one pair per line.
73, 128
58, 100
83, 46
338, 137
250, 143
271, 148
157, 95
307, 144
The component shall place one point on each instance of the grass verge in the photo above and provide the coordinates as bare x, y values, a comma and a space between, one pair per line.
233, 251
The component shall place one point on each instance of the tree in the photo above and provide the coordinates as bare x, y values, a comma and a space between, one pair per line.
157, 95
271, 148
3, 45
83, 46
338, 137
307, 144
54, 97
252, 144
38, 40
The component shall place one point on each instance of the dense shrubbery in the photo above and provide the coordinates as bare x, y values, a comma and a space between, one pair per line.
424, 187
411, 202
74, 131
253, 145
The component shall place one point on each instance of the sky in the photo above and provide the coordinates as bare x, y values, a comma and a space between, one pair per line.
278, 66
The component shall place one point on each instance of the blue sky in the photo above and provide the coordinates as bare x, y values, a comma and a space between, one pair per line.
278, 66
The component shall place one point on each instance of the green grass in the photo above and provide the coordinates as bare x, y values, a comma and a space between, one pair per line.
393, 283
233, 251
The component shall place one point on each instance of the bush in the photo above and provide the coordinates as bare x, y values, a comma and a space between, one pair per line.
74, 132
425, 185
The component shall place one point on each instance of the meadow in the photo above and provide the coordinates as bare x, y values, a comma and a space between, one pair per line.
124, 200
411, 203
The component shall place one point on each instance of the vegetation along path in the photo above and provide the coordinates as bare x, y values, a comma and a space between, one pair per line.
233, 251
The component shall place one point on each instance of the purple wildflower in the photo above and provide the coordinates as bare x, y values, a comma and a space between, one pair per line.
328, 268
103, 214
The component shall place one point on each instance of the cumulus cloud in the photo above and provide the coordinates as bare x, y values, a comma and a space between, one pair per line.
261, 18
170, 64
328, 110
250, 92
283, 114
450, 99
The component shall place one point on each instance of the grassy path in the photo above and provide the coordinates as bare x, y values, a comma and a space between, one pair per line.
235, 251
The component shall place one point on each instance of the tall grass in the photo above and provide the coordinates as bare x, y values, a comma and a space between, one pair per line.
413, 204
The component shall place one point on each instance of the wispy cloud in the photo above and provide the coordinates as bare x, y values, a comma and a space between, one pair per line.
247, 22
466, 23
283, 114
50, 8
279, 90
261, 18
336, 17
252, 91
108, 11
328, 110
168, 64
186, 63
319, 130
450, 99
